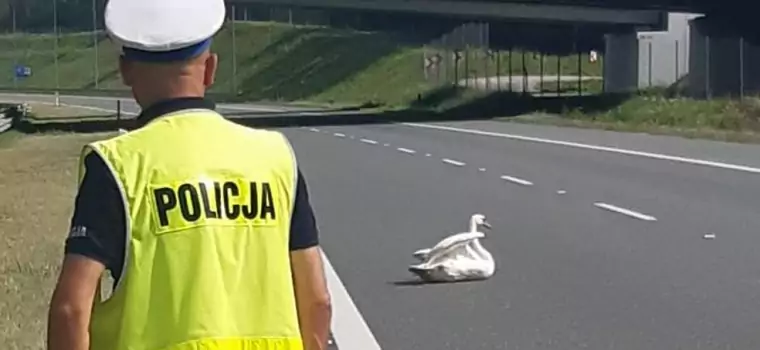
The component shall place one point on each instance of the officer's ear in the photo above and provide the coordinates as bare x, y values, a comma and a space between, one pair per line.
209, 73
125, 69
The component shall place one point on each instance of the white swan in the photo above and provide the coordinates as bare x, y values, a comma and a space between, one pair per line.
475, 221
458, 257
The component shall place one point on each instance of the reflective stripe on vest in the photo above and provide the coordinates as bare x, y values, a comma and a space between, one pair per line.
207, 265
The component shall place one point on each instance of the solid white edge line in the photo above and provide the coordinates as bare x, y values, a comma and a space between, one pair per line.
130, 99
713, 164
624, 211
337, 134
371, 142
85, 107
516, 180
406, 150
349, 329
453, 162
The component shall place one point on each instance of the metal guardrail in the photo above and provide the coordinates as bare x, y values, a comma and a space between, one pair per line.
10, 114
5, 123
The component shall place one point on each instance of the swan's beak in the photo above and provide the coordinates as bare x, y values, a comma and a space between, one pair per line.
486, 225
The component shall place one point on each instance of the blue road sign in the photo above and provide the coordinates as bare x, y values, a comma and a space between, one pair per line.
23, 71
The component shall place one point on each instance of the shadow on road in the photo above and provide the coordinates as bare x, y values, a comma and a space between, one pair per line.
419, 283
436, 106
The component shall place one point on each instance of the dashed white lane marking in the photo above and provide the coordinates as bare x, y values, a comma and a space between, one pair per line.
351, 137
371, 142
337, 134
428, 155
453, 162
386, 144
713, 164
631, 213
349, 329
561, 192
406, 150
516, 180
482, 170
314, 130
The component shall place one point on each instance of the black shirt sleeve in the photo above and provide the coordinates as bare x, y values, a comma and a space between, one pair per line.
303, 225
98, 225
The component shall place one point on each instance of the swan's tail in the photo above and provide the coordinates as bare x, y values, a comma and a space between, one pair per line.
422, 254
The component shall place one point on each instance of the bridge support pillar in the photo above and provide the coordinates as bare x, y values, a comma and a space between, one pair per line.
621, 62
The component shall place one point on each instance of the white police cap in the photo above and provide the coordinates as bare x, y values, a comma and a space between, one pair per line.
163, 30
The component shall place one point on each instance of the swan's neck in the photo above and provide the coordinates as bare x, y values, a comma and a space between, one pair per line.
473, 226
480, 250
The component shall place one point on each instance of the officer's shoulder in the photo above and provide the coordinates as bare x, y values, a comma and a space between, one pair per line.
262, 133
115, 136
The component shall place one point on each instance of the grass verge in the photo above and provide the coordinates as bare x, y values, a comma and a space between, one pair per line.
284, 63
718, 119
38, 187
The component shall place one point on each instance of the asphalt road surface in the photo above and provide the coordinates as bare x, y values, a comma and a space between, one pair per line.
620, 242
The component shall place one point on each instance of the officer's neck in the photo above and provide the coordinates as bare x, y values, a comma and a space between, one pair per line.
152, 91
146, 100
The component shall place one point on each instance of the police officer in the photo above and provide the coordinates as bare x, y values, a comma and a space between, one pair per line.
190, 232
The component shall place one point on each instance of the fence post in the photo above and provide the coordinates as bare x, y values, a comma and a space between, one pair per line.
541, 57
741, 67
485, 67
524, 74
559, 74
95, 41
678, 61
13, 28
55, 52
457, 57
510, 68
708, 90
498, 70
467, 66
580, 73
649, 65
118, 113
234, 54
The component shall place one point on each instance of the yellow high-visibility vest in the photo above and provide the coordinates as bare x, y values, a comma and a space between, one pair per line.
208, 205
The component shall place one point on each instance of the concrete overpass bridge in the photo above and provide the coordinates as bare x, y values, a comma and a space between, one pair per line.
679, 39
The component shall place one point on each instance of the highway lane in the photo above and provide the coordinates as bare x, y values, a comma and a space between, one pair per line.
571, 275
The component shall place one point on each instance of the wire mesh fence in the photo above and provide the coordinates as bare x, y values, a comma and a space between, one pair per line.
278, 52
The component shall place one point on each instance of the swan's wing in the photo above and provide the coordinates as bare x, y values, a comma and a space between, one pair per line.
454, 240
456, 251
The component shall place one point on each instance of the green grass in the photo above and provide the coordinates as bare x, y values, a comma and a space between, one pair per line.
719, 119
279, 62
